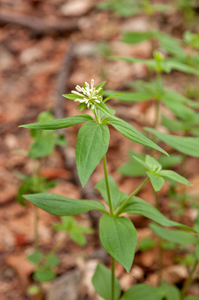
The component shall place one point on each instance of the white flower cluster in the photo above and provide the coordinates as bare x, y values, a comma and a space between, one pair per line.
88, 95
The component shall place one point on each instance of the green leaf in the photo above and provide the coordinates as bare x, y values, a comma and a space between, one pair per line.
36, 257
102, 283
100, 85
196, 223
176, 105
137, 206
117, 196
59, 123
51, 260
132, 134
112, 96
131, 96
119, 238
171, 292
136, 37
44, 275
42, 146
146, 244
169, 161
173, 124
92, 145
197, 252
156, 181
132, 168
176, 236
186, 145
72, 96
103, 108
62, 206
143, 292
153, 164
142, 162
191, 298
174, 176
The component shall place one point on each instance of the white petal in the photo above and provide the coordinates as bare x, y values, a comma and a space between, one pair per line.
92, 83
76, 93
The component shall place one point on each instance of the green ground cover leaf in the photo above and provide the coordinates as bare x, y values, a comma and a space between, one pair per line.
62, 206
175, 236
102, 283
92, 145
119, 238
186, 145
136, 37
171, 291
143, 292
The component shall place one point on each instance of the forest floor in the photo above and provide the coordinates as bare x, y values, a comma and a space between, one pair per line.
37, 40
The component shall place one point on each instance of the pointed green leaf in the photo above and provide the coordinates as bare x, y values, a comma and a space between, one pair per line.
137, 206
132, 134
156, 181
59, 123
136, 37
131, 96
112, 96
103, 108
102, 283
100, 85
177, 106
175, 236
92, 145
143, 292
62, 206
186, 145
169, 161
119, 238
117, 196
72, 96
174, 176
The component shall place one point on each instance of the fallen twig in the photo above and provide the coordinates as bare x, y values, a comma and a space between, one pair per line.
38, 25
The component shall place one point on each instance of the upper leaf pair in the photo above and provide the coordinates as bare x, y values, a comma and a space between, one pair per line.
157, 175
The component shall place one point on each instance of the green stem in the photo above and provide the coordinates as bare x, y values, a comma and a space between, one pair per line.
113, 277
188, 281
107, 186
133, 194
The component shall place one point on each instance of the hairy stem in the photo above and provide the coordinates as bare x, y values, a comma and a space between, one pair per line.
107, 187
133, 194
188, 281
